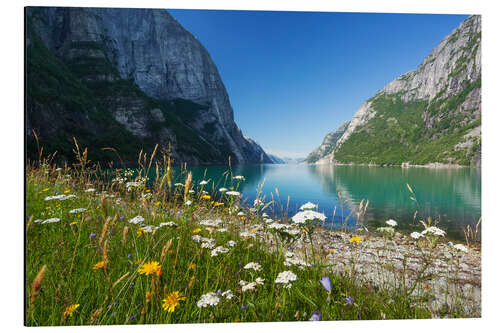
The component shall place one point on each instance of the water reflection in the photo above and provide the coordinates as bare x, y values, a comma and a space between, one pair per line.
452, 195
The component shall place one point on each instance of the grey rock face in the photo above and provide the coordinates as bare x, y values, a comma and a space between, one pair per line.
151, 48
450, 69
328, 143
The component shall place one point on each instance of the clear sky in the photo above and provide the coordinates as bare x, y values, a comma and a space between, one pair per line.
292, 77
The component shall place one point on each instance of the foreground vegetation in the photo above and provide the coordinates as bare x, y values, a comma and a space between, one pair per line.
133, 251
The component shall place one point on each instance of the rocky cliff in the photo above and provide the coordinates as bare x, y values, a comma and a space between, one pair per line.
127, 78
328, 143
429, 115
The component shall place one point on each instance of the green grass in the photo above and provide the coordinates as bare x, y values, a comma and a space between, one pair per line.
69, 253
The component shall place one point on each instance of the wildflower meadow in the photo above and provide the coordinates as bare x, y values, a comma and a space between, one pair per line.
129, 249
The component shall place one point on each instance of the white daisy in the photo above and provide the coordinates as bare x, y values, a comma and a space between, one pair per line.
461, 247
52, 220
308, 215
434, 230
391, 222
415, 235
210, 299
253, 265
307, 206
137, 220
285, 278
233, 193
77, 210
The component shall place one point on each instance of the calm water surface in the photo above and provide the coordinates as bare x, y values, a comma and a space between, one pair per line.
451, 195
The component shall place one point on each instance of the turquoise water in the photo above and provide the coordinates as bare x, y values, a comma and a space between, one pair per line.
451, 195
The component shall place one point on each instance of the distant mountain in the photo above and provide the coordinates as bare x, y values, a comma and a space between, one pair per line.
429, 115
126, 78
328, 143
276, 159
285, 160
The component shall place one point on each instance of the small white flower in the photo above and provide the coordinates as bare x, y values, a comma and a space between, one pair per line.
260, 280
219, 249
208, 299
90, 190
228, 294
307, 206
231, 243
52, 220
257, 202
249, 286
167, 224
246, 234
196, 238
386, 230
179, 184
137, 220
211, 223
239, 178
308, 215
434, 230
415, 235
222, 230
233, 193
208, 243
285, 278
253, 265
461, 247
241, 214
391, 222
77, 210
188, 203
223, 189
204, 182
265, 215
277, 226
191, 191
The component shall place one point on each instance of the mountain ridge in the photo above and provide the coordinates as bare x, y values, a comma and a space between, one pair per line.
427, 116
137, 78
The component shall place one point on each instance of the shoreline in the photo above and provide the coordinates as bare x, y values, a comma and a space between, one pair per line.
433, 165
385, 263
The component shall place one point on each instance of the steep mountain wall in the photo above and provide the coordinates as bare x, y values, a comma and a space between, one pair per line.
429, 115
140, 71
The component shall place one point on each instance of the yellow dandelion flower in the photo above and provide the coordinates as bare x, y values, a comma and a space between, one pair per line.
197, 230
192, 266
45, 189
206, 197
150, 267
355, 239
217, 204
67, 191
73, 223
99, 265
157, 203
304, 230
172, 301
70, 309
332, 250
147, 191
140, 232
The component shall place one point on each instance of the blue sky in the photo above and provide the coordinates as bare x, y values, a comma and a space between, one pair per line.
292, 77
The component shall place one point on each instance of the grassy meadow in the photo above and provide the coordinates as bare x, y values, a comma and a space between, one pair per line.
131, 250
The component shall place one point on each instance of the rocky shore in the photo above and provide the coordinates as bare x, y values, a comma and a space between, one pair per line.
445, 276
